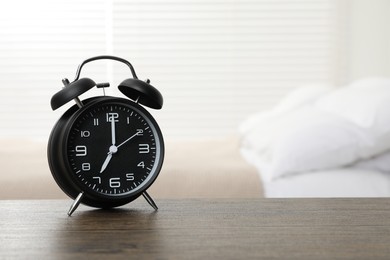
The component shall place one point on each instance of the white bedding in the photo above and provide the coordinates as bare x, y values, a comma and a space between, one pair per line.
323, 141
343, 182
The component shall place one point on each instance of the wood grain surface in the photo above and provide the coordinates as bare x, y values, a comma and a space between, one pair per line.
198, 229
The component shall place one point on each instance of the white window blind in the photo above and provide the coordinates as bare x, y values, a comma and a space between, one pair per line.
42, 41
214, 61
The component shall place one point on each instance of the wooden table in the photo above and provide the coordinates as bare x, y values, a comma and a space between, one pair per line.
198, 229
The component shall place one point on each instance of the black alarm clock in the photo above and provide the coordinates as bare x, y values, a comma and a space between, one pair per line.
105, 151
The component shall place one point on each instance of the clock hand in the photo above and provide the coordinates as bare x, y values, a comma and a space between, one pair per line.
106, 161
113, 149
128, 139
113, 130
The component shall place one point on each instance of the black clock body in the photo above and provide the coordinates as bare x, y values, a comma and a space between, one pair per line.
110, 149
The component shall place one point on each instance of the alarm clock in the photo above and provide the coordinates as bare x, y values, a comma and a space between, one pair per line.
106, 151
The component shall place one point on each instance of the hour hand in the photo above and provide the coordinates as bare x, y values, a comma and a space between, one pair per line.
106, 161
113, 149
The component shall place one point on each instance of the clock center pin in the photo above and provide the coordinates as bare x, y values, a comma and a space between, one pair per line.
113, 149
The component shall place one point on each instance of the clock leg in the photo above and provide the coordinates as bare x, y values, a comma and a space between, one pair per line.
75, 204
149, 200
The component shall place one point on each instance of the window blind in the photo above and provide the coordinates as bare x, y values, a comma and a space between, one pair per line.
218, 61
214, 61
42, 42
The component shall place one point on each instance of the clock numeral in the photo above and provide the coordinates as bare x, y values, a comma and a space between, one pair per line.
140, 132
96, 121
128, 120
143, 148
81, 150
115, 182
141, 164
112, 116
97, 178
86, 167
129, 176
85, 134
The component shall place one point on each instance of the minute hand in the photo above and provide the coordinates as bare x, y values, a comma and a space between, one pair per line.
113, 130
128, 139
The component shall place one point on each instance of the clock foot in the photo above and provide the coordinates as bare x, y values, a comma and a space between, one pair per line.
149, 200
75, 204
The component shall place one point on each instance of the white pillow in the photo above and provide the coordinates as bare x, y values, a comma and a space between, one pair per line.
364, 102
305, 139
324, 141
333, 132
259, 130
312, 140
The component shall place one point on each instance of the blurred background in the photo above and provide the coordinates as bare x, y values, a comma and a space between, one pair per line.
216, 62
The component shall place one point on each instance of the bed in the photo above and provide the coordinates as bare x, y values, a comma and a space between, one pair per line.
323, 141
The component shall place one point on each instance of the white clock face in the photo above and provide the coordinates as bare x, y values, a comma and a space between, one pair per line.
114, 148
